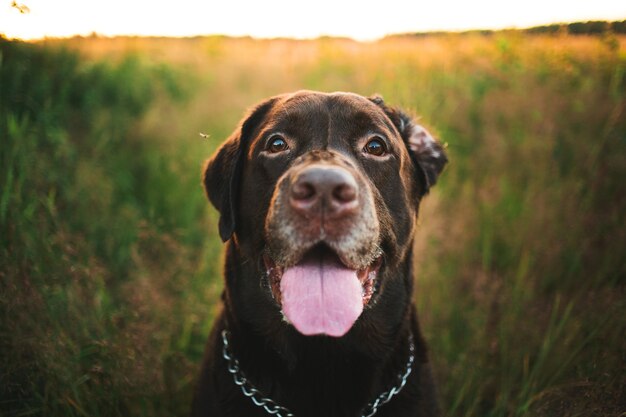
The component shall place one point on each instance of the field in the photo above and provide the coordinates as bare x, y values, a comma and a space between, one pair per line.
110, 261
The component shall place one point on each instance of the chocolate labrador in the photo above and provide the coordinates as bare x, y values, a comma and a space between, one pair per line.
318, 198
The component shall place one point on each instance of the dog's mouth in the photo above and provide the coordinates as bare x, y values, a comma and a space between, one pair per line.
320, 294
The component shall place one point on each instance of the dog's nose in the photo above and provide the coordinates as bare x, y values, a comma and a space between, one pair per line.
324, 190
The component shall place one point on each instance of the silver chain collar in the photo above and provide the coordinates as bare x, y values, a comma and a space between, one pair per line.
271, 407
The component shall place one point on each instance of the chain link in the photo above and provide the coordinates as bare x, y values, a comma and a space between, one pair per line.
270, 406
246, 386
372, 408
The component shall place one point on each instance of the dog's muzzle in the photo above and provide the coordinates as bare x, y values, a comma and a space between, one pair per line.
323, 236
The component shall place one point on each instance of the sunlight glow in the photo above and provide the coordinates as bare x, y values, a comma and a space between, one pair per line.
282, 18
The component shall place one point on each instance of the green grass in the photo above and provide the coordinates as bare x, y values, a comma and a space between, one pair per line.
110, 261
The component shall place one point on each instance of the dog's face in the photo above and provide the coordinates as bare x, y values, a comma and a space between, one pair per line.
320, 194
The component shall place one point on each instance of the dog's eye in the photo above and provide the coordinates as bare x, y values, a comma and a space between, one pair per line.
277, 144
376, 146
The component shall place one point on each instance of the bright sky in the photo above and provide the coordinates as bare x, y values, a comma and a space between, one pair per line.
359, 19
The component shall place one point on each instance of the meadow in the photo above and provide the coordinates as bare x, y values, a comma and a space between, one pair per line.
110, 260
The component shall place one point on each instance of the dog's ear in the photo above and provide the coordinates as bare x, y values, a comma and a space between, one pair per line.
222, 172
427, 153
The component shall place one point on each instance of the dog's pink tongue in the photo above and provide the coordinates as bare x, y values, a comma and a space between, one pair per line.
321, 296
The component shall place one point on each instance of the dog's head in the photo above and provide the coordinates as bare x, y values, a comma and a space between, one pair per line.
319, 193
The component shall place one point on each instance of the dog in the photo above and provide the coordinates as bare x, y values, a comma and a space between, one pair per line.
318, 197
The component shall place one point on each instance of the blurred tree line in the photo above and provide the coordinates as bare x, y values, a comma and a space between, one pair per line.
595, 27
